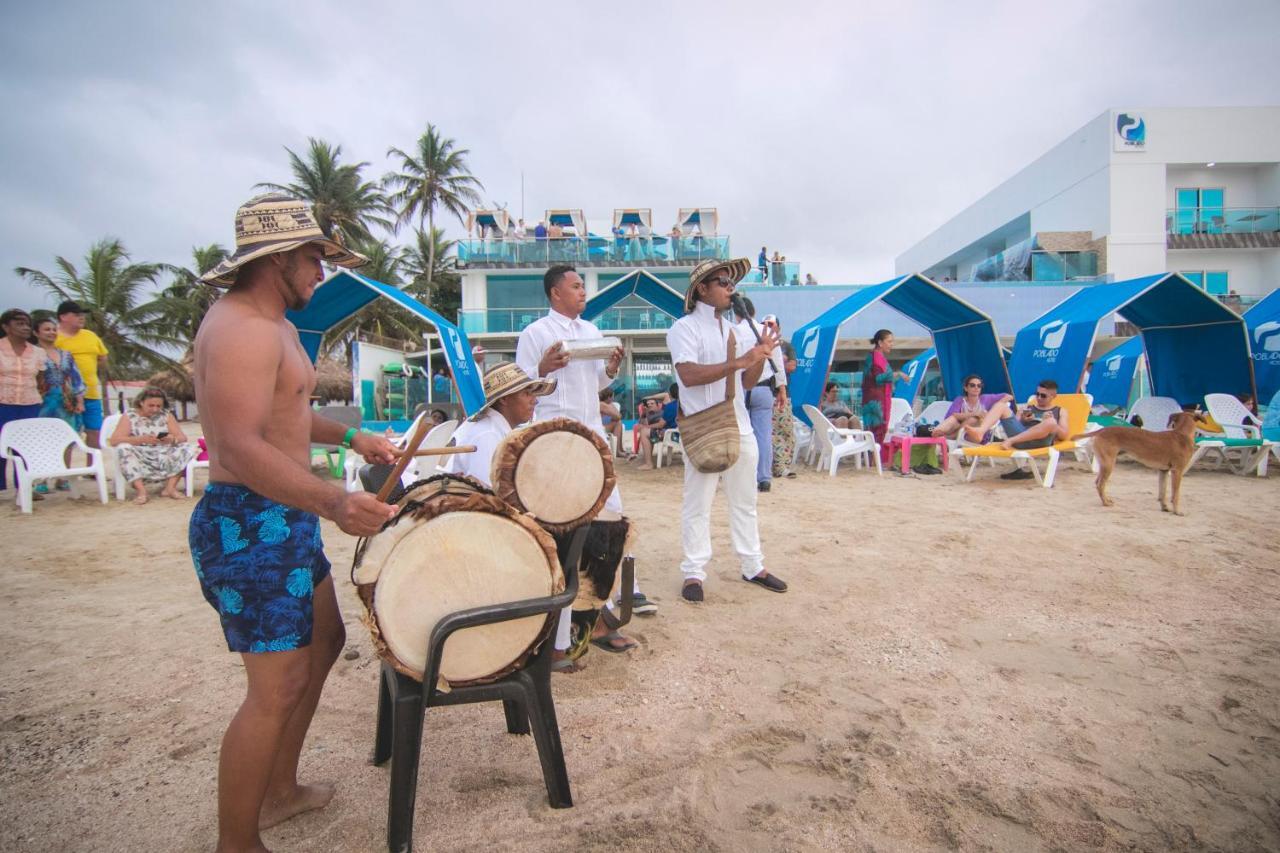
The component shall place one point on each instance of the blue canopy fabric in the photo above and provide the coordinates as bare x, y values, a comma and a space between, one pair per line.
964, 337
1263, 322
639, 283
1195, 345
915, 369
1111, 379
344, 293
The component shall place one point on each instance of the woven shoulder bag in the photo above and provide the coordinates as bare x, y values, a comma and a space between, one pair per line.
710, 438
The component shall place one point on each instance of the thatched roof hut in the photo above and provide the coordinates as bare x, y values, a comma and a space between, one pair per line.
333, 381
177, 382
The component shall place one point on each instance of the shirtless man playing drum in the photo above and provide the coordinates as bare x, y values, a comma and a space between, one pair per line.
255, 535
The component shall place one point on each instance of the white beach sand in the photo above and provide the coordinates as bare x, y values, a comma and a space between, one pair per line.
978, 666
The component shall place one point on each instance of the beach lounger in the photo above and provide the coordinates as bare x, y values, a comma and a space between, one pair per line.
1155, 412
1241, 444
833, 444
1076, 407
35, 447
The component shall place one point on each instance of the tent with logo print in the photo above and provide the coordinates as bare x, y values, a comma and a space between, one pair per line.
344, 293
1195, 345
964, 337
1111, 379
1263, 321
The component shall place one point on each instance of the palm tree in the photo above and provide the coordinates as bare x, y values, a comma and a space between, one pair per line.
380, 317
433, 272
435, 175
178, 310
344, 204
109, 290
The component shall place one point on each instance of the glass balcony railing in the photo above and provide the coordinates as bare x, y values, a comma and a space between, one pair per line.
780, 273
1221, 220
515, 319
592, 251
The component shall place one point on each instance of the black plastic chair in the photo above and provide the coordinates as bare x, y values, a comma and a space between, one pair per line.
525, 695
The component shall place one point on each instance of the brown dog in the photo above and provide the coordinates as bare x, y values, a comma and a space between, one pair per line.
1167, 452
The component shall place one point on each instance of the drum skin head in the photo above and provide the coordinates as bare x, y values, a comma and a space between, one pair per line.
453, 562
558, 471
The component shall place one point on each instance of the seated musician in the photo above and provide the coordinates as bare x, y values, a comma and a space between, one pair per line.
509, 395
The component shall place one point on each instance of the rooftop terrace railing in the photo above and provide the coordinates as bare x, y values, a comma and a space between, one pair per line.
1221, 220
592, 251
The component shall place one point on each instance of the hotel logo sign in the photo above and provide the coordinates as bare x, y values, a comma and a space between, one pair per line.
1131, 132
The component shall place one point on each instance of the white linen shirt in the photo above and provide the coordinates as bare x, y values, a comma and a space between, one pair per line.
485, 435
578, 383
702, 338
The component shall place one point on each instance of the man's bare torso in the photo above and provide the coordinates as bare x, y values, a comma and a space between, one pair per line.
236, 323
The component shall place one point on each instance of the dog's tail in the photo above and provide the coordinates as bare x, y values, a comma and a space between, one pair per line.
1084, 435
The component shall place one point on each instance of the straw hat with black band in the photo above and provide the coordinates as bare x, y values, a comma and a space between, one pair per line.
272, 223
506, 379
735, 268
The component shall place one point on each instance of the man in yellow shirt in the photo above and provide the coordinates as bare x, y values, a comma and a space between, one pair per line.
91, 359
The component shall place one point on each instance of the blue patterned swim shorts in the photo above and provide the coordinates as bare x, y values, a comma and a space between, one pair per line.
258, 562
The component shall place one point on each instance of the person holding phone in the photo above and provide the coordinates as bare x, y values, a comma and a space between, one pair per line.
151, 447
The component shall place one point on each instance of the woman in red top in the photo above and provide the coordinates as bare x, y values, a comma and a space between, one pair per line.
20, 364
877, 388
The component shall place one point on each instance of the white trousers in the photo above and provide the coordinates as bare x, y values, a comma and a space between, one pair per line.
613, 504
695, 517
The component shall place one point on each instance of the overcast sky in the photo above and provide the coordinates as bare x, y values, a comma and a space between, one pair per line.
839, 133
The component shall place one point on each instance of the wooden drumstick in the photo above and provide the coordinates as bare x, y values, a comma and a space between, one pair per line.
411, 448
446, 451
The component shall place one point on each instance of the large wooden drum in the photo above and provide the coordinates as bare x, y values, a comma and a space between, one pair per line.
558, 471
453, 546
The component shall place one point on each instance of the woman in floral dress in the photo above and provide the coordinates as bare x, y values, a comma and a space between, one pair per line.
150, 446
62, 387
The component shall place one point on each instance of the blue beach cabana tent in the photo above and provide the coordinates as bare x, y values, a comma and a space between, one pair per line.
636, 283
1195, 345
1263, 322
1111, 379
964, 337
344, 293
915, 369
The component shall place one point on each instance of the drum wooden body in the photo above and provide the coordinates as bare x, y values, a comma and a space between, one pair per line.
453, 546
558, 471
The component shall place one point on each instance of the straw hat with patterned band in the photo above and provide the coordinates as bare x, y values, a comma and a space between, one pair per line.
736, 269
506, 379
272, 223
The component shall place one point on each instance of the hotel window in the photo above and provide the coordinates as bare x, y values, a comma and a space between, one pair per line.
1211, 281
1199, 210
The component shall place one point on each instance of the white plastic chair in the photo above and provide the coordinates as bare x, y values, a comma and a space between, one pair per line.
111, 454
35, 446
1155, 412
804, 447
834, 444
898, 409
935, 412
670, 443
1238, 422
418, 469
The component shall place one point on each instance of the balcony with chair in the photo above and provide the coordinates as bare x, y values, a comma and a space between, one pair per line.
1222, 227
509, 252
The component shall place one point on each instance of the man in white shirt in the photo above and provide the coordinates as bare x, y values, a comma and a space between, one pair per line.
540, 353
698, 343
509, 395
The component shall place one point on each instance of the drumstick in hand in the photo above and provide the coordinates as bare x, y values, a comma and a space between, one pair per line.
441, 451
410, 448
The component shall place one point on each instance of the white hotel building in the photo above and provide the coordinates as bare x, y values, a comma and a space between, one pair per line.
1133, 192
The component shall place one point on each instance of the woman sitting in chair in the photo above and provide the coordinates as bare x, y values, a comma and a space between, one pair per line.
967, 412
151, 447
834, 410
